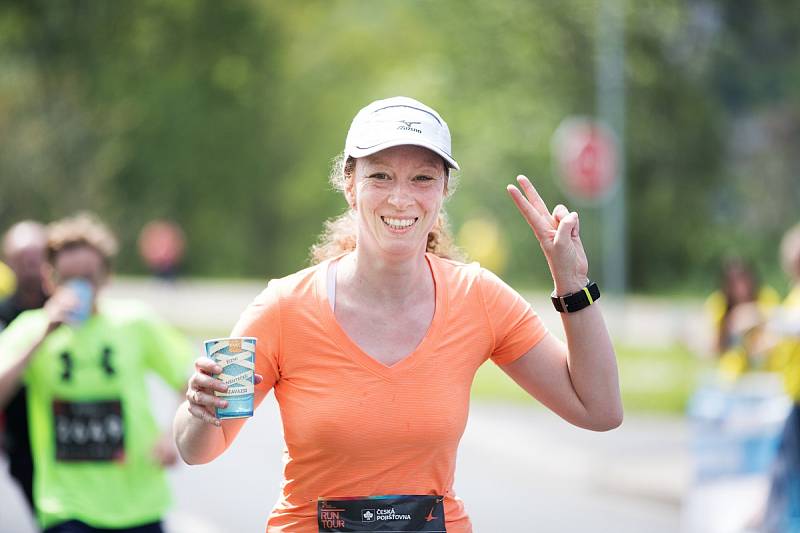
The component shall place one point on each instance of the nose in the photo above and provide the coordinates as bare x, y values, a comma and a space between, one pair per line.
400, 196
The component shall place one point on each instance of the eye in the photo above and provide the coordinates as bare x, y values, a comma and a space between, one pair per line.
424, 177
379, 176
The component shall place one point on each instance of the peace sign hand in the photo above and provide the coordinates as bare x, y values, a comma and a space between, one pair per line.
558, 235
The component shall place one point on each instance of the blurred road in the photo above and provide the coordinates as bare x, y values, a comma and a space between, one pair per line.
519, 468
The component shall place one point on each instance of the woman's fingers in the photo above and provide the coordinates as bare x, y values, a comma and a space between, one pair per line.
558, 233
559, 212
567, 228
207, 366
200, 394
201, 413
202, 404
534, 219
204, 399
205, 382
533, 196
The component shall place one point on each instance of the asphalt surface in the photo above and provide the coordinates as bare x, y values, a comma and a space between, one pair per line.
519, 469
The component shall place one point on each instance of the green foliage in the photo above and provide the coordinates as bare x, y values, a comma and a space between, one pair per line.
224, 116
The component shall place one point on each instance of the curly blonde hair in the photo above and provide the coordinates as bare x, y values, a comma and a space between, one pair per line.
339, 234
82, 229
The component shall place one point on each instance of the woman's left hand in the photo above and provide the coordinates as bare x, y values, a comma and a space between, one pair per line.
558, 234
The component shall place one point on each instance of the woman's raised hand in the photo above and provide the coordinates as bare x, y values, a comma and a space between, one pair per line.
558, 234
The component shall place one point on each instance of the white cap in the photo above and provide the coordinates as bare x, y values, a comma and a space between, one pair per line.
398, 121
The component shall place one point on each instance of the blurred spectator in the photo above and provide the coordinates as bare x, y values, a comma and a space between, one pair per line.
24, 246
97, 452
161, 245
7, 280
783, 507
736, 421
739, 311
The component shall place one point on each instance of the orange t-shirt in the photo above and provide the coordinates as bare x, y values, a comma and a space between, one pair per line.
356, 427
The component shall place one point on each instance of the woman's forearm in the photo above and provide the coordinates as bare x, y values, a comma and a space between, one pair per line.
592, 366
198, 441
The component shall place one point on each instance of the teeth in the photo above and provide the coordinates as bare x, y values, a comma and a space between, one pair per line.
399, 223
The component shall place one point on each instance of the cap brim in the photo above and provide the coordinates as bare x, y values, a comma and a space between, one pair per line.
363, 152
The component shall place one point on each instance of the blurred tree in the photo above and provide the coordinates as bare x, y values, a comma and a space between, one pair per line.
755, 73
224, 117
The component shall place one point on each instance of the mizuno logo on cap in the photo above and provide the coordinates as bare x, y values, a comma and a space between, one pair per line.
407, 125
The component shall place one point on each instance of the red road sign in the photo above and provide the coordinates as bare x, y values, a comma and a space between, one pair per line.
585, 155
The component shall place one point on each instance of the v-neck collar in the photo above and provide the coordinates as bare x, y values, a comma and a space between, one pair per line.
352, 348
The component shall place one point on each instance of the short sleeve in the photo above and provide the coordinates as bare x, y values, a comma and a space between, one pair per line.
516, 328
261, 319
20, 333
167, 352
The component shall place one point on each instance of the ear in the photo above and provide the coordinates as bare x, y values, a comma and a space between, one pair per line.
105, 278
350, 193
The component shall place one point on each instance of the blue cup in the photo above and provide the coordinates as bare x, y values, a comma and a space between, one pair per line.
84, 290
236, 356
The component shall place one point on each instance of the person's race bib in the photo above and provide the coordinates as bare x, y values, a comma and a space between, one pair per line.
89, 431
406, 514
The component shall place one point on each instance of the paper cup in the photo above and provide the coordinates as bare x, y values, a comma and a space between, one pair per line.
236, 356
85, 292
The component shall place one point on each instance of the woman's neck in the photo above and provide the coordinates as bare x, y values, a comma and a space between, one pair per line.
382, 281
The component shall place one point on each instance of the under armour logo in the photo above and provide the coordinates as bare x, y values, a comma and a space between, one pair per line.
66, 366
105, 361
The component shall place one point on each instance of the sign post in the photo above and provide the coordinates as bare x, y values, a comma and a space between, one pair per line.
587, 162
586, 157
610, 76
589, 154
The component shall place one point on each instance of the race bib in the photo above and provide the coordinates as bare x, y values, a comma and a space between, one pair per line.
406, 514
89, 431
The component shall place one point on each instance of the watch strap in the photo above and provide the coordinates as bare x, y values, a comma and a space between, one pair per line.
576, 301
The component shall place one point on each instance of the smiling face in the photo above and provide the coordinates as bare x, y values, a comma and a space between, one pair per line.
397, 194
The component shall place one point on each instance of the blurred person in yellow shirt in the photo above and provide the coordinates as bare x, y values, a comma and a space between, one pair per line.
739, 311
7, 280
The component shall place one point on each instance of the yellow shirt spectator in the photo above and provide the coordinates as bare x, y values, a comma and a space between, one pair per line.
787, 353
739, 355
8, 282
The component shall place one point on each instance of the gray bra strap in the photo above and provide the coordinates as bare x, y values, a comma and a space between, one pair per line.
331, 284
